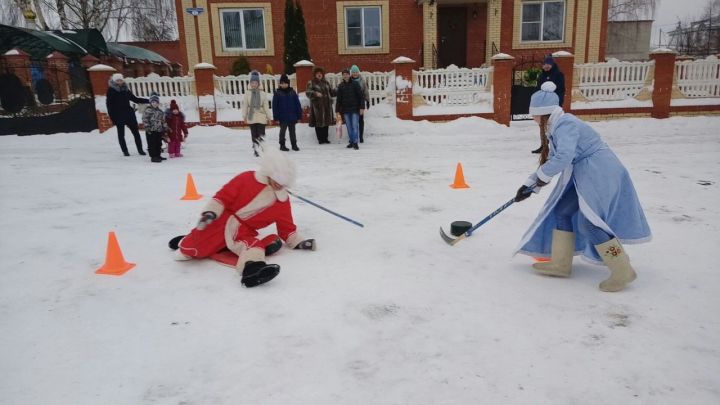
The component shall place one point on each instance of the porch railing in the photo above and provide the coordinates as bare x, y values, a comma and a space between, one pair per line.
699, 78
612, 80
162, 85
453, 86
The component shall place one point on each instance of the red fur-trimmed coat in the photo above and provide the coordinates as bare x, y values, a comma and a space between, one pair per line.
176, 123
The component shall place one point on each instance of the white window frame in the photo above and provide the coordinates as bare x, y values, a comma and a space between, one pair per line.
242, 28
362, 27
542, 21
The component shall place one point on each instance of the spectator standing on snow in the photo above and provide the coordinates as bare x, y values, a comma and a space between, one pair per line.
320, 93
117, 101
551, 73
155, 128
287, 111
355, 74
178, 130
350, 104
256, 112
593, 205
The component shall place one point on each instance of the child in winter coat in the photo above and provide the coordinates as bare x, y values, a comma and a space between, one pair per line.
255, 110
287, 111
177, 129
155, 128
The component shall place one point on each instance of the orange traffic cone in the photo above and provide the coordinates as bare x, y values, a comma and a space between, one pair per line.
115, 263
190, 191
459, 178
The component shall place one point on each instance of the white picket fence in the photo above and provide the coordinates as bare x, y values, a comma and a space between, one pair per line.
698, 78
453, 86
230, 89
378, 84
164, 86
612, 80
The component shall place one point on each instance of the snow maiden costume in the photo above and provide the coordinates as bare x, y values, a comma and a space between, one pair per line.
251, 201
593, 205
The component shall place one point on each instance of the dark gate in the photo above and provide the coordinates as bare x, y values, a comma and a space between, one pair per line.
59, 100
525, 74
452, 30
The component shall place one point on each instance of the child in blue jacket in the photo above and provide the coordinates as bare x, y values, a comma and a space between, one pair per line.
287, 111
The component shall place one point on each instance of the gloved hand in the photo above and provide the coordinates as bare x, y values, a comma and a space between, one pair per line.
308, 244
206, 219
523, 193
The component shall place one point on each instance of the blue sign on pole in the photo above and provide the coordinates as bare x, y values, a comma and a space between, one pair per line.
195, 11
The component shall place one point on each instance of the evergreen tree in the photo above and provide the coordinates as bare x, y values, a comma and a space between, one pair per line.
296, 47
302, 44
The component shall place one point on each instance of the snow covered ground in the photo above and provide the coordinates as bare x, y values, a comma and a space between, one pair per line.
386, 314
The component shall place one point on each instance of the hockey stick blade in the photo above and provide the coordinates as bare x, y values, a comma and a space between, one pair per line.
450, 241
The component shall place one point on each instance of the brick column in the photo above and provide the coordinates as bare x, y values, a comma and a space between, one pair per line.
205, 89
565, 61
99, 78
303, 74
89, 61
502, 86
59, 74
662, 88
403, 87
18, 62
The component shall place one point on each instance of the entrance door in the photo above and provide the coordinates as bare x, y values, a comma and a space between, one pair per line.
452, 32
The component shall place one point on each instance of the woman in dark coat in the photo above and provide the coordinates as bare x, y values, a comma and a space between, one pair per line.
320, 94
121, 113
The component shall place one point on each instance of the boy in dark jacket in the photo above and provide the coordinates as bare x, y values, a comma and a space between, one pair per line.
287, 111
117, 101
351, 105
155, 128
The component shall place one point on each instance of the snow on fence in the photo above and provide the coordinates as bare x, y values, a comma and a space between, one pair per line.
698, 78
453, 86
229, 90
378, 84
162, 85
612, 80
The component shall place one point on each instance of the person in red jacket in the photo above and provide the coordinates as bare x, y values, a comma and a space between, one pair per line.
251, 201
178, 130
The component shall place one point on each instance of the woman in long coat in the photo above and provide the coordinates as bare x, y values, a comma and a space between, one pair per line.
320, 94
117, 101
593, 206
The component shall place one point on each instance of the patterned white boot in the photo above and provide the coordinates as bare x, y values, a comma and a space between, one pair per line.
621, 273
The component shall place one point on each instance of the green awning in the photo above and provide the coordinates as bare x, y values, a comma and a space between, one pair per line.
38, 44
88, 38
135, 52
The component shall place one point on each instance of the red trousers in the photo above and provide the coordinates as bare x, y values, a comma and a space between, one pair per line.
204, 243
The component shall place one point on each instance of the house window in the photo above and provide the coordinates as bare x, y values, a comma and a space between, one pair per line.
363, 27
542, 21
243, 29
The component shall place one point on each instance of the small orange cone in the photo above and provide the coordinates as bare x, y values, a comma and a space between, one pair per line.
459, 178
115, 263
190, 191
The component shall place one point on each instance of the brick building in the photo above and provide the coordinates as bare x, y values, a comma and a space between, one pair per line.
370, 33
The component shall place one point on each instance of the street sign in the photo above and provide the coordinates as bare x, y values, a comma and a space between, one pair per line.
195, 11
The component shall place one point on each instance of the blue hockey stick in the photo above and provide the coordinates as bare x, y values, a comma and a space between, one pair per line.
452, 241
325, 209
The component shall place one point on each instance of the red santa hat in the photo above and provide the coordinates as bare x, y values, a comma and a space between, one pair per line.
277, 166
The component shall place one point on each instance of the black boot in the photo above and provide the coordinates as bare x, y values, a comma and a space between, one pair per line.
350, 145
140, 152
284, 148
355, 146
156, 159
174, 243
126, 153
256, 273
538, 150
295, 148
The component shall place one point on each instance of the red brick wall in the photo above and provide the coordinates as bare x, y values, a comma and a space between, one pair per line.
476, 34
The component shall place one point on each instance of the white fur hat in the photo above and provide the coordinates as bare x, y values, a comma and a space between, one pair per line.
277, 166
117, 76
544, 101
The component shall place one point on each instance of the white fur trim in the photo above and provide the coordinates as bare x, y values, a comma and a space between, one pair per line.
231, 227
215, 206
548, 109
250, 255
277, 166
281, 195
180, 256
264, 199
542, 176
294, 239
554, 118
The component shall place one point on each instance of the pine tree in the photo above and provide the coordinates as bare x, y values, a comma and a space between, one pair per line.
296, 47
302, 46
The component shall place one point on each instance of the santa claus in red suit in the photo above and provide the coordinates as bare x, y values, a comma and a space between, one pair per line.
249, 202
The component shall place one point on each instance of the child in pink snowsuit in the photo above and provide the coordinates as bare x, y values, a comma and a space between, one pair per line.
178, 130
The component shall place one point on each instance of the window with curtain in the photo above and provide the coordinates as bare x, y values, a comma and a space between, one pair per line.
543, 21
243, 28
363, 25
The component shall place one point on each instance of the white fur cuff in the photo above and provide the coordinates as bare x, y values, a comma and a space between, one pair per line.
214, 206
294, 239
250, 255
542, 176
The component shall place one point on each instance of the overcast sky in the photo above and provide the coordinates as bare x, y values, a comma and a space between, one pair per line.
669, 11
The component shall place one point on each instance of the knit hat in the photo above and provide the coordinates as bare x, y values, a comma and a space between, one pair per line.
255, 76
544, 101
154, 97
318, 69
173, 105
117, 76
549, 60
354, 69
277, 166
345, 71
284, 78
